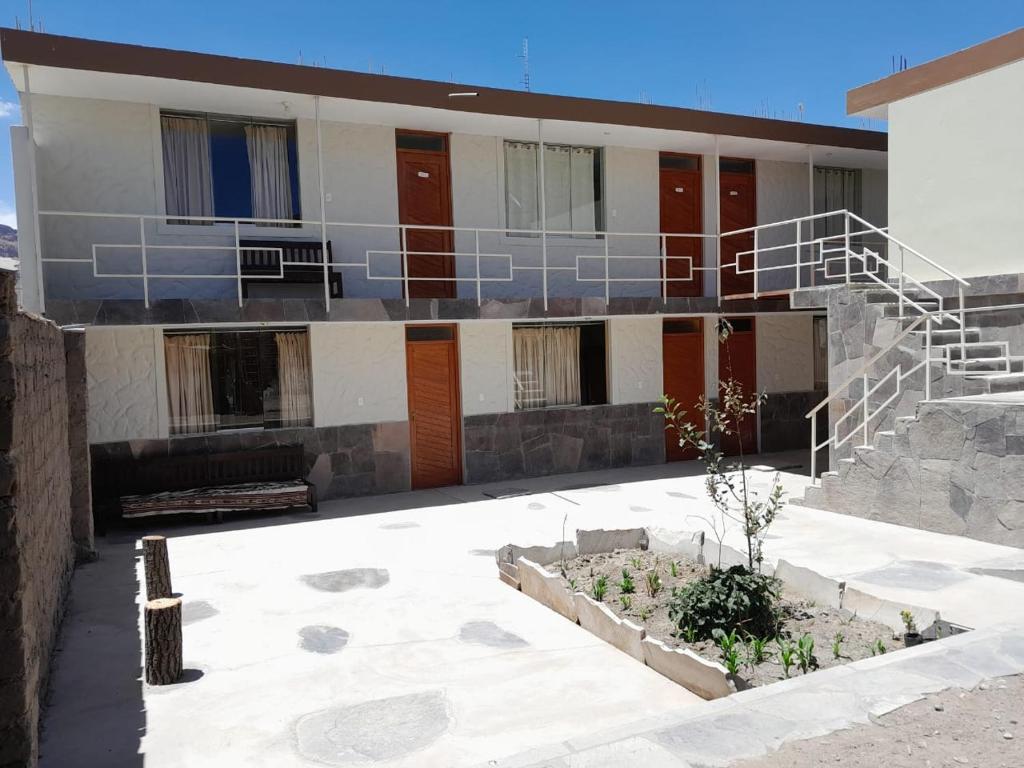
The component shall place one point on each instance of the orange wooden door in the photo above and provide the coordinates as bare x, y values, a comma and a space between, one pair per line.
432, 370
425, 197
682, 350
680, 211
737, 359
738, 210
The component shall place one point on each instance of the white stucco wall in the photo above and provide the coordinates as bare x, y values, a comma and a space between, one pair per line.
124, 372
485, 363
634, 360
785, 352
358, 373
956, 173
783, 192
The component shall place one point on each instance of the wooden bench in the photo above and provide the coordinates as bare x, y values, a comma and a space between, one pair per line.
263, 479
261, 262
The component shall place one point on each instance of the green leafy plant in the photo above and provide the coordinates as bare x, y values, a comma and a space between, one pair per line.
728, 599
653, 581
626, 601
674, 568
689, 634
878, 648
572, 585
600, 588
644, 613
637, 563
908, 621
805, 653
757, 651
837, 645
626, 586
787, 655
729, 645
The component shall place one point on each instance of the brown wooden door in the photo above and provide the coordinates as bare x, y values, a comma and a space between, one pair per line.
425, 197
738, 210
682, 351
435, 420
737, 359
680, 211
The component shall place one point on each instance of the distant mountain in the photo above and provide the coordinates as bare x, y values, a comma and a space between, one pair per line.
8, 242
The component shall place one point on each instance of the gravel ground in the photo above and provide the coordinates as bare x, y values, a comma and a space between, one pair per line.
982, 728
801, 617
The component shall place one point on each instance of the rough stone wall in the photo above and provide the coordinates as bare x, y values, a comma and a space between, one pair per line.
36, 546
78, 444
784, 426
550, 441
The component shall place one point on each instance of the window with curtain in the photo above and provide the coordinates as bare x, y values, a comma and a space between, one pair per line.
558, 365
240, 379
820, 353
231, 167
835, 189
572, 187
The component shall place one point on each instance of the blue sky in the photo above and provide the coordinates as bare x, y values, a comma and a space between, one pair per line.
744, 56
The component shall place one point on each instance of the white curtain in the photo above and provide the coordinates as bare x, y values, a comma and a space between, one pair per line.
521, 196
547, 366
584, 206
189, 387
558, 187
188, 184
271, 176
293, 378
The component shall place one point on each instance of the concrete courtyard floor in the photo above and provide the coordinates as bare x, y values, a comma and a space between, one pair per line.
377, 632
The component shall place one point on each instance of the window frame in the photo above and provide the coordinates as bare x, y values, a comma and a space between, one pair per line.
583, 376
219, 227
180, 331
600, 189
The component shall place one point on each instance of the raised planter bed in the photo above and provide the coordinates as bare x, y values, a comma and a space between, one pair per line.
562, 576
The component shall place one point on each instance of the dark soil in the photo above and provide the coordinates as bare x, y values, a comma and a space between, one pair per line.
860, 638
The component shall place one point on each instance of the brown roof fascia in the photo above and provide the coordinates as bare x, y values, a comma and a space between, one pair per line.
48, 50
979, 58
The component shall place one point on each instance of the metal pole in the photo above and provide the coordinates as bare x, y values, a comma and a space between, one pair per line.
963, 330
814, 447
238, 263
846, 241
718, 224
607, 293
36, 230
544, 214
810, 205
476, 232
901, 281
928, 358
756, 232
866, 408
664, 268
323, 206
799, 229
405, 262
145, 268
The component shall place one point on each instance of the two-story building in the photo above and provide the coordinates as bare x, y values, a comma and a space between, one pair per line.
423, 283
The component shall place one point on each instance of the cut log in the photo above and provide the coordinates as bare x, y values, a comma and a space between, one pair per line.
157, 567
163, 641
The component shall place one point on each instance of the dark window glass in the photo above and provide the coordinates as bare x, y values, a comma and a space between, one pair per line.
429, 333
735, 165
425, 142
593, 378
741, 324
680, 162
682, 326
229, 165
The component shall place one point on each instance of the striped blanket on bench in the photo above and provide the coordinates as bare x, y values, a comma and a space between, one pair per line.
239, 497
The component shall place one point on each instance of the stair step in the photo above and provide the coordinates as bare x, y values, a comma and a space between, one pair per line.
893, 309
995, 383
976, 351
883, 296
883, 439
844, 466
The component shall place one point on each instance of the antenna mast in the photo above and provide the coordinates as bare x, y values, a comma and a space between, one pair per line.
525, 56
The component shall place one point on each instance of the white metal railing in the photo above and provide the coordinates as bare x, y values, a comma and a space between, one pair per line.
643, 256
952, 356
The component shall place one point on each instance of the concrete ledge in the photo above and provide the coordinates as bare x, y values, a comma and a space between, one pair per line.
687, 544
810, 584
886, 611
707, 679
600, 540
545, 588
510, 553
509, 573
599, 620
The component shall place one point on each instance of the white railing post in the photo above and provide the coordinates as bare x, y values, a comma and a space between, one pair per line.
607, 291
928, 358
145, 266
664, 267
238, 263
814, 447
756, 232
846, 240
405, 261
799, 254
901, 282
963, 330
543, 214
477, 233
323, 208
867, 408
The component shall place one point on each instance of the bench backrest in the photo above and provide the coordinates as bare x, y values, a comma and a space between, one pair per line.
265, 253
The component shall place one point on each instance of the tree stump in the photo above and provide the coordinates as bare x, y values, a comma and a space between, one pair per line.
157, 567
163, 640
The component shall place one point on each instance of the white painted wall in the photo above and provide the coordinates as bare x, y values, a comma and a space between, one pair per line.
783, 192
124, 373
956, 174
634, 359
358, 373
785, 352
485, 363
28, 288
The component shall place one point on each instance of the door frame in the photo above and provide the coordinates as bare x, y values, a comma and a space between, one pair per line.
449, 260
456, 387
698, 275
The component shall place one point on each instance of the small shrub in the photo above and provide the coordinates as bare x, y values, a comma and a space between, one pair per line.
644, 613
730, 645
626, 586
689, 634
728, 599
757, 651
878, 648
654, 584
637, 563
572, 585
805, 653
908, 621
787, 655
600, 588
837, 645
674, 568
626, 601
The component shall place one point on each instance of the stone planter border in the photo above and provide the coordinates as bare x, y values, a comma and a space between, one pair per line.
523, 568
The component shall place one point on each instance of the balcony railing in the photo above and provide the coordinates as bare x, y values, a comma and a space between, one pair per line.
89, 255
